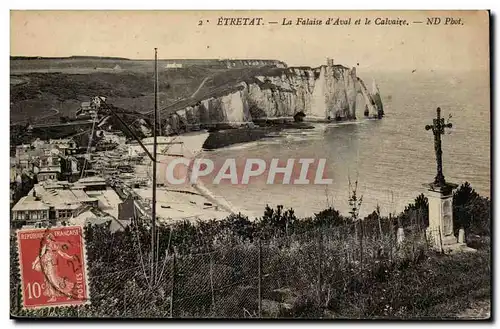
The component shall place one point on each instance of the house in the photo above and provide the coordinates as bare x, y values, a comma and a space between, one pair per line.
51, 201
92, 183
39, 154
13, 174
54, 202
31, 210
173, 66
23, 157
90, 108
67, 146
96, 102
48, 174
63, 201
116, 137
94, 216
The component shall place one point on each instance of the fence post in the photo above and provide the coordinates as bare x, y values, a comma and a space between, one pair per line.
260, 279
212, 282
391, 229
172, 289
361, 246
380, 226
426, 240
124, 302
356, 229
320, 247
413, 246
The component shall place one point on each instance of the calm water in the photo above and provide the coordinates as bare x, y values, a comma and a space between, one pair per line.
390, 158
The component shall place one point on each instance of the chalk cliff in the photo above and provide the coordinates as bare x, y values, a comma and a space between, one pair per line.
322, 93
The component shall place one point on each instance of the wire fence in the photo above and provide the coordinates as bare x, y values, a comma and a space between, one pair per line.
257, 279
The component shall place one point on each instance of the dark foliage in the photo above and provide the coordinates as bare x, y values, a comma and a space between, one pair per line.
226, 253
471, 211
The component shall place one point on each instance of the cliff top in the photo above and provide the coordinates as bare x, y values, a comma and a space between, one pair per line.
21, 58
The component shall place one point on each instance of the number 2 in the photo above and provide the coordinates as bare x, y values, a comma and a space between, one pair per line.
200, 22
34, 290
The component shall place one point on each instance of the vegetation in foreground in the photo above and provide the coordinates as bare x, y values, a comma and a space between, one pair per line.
327, 266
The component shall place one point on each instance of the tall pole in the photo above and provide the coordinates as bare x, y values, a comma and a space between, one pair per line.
153, 207
156, 98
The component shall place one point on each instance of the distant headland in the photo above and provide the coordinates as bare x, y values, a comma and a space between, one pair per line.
69, 57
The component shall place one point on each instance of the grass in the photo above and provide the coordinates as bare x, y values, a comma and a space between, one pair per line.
437, 287
323, 267
411, 283
132, 90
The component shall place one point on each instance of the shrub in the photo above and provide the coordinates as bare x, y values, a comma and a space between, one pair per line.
217, 262
471, 211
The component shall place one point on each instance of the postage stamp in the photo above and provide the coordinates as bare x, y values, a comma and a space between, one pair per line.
53, 267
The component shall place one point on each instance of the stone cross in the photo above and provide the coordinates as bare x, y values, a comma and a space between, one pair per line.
440, 196
438, 127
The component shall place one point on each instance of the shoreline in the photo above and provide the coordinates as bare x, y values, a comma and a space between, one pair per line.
228, 137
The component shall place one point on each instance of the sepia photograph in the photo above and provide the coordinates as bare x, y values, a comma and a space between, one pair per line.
250, 164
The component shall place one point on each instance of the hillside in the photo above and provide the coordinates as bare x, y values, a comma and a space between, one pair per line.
190, 97
37, 95
43, 90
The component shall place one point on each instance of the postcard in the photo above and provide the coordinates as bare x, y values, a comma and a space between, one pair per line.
250, 164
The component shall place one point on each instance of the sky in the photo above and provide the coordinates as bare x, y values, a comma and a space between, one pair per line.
134, 34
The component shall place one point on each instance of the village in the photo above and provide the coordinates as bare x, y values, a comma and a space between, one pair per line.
65, 181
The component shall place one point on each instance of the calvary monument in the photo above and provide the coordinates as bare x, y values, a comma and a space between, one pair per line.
440, 196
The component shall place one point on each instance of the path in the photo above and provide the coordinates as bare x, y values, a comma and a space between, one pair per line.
180, 101
51, 114
199, 87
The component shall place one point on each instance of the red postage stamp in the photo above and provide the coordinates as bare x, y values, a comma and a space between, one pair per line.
53, 267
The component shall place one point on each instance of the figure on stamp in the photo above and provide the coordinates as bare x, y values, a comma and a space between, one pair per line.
46, 262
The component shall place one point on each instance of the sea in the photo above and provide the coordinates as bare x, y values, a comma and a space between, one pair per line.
390, 159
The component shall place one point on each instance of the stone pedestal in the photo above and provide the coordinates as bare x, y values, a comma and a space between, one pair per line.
440, 230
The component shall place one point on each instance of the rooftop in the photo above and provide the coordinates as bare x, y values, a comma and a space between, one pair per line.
65, 195
49, 170
59, 198
29, 203
108, 201
183, 205
91, 180
39, 149
90, 217
55, 184
60, 140
63, 142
